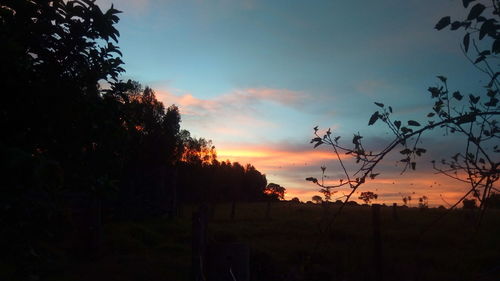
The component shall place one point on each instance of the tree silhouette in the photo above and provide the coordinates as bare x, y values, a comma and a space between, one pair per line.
68, 143
317, 199
367, 196
474, 118
275, 191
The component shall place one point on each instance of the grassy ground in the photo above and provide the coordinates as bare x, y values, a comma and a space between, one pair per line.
285, 246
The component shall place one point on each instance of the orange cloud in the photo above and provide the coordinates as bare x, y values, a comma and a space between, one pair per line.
270, 159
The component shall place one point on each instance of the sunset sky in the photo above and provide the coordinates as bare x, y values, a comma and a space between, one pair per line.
256, 76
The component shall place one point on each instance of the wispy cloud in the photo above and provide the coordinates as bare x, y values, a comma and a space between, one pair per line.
240, 113
236, 99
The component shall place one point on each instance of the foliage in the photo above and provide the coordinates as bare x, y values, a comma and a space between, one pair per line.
473, 118
66, 136
469, 204
406, 200
317, 199
275, 191
325, 189
423, 202
367, 196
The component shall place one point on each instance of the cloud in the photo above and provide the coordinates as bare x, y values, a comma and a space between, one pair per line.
235, 99
241, 113
371, 87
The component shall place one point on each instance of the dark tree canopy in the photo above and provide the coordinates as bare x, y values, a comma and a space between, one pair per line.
69, 143
275, 191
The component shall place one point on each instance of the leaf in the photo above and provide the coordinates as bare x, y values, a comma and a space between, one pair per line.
431, 114
493, 102
457, 95
466, 119
467, 2
413, 165
466, 42
491, 93
315, 140
372, 176
315, 180
475, 11
397, 123
434, 91
405, 151
413, 123
487, 28
495, 48
315, 129
420, 151
356, 138
479, 59
379, 104
456, 25
318, 144
390, 109
493, 79
443, 22
373, 119
474, 99
406, 130
442, 78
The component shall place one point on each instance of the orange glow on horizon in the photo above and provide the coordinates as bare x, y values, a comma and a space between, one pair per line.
276, 163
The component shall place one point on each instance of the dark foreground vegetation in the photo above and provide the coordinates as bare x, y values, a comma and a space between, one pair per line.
283, 247
98, 176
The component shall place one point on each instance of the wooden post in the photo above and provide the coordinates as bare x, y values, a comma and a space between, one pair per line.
377, 243
395, 212
199, 228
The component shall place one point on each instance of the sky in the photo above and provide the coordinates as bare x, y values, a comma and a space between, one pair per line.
256, 76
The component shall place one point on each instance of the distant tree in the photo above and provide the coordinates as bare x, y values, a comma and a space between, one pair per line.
367, 196
275, 191
317, 199
494, 201
469, 204
423, 202
295, 200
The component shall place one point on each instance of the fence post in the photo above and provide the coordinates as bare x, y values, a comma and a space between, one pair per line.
199, 229
377, 242
395, 211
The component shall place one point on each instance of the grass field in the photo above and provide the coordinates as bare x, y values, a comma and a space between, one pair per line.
283, 247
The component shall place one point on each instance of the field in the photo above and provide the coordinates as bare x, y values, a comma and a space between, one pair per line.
285, 246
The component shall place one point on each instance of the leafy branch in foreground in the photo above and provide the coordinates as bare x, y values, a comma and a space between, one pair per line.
473, 118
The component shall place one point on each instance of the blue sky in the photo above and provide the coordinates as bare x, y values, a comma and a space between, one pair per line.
257, 76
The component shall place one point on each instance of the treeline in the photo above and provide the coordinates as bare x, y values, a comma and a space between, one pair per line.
73, 151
